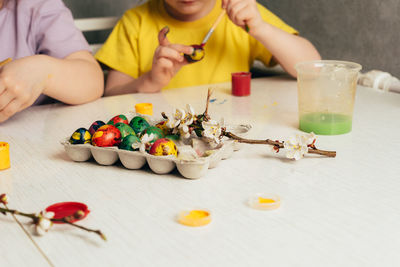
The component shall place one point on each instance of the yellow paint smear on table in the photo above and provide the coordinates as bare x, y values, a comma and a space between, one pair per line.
195, 218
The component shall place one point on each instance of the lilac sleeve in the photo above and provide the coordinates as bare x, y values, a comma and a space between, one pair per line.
56, 34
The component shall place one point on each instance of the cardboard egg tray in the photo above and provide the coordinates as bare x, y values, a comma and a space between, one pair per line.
191, 168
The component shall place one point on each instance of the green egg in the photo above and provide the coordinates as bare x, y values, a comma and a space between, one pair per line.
138, 124
127, 142
125, 129
172, 137
155, 131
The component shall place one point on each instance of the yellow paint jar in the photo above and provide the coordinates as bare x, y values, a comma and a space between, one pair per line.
194, 218
4, 155
144, 108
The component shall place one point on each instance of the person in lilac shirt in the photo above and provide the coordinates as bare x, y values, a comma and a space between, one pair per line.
51, 57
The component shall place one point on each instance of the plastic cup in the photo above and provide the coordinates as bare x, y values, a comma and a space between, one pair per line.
144, 108
326, 93
241, 83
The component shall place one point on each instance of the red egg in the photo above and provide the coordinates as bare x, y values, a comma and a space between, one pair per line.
106, 135
119, 118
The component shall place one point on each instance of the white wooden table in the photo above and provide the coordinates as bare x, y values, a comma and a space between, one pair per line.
342, 211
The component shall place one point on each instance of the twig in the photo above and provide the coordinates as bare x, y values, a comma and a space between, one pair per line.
35, 219
205, 114
278, 144
65, 220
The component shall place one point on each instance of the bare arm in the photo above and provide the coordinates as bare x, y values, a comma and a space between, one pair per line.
286, 48
75, 79
119, 83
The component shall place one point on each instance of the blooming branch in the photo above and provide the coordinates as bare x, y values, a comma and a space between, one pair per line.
43, 220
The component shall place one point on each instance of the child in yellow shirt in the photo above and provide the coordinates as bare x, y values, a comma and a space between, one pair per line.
141, 63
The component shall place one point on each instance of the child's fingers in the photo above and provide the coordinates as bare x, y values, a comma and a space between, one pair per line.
5, 98
169, 52
2, 87
162, 36
185, 49
224, 4
238, 12
10, 109
165, 63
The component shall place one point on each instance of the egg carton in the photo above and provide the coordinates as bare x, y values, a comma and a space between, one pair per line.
188, 167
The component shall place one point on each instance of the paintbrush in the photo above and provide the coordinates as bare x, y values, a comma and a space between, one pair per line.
217, 21
4, 62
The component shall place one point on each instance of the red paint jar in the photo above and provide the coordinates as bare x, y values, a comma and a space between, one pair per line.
241, 83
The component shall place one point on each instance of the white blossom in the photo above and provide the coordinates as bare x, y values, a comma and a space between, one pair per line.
176, 118
145, 141
184, 131
298, 146
189, 117
44, 222
212, 131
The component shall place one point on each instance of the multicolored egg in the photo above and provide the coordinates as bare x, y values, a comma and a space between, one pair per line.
95, 125
80, 136
157, 132
127, 142
163, 126
125, 129
119, 118
164, 147
138, 124
106, 135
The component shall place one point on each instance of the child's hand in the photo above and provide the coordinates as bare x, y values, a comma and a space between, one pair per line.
21, 83
243, 13
167, 60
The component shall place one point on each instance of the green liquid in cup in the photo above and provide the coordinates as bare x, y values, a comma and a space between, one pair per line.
326, 123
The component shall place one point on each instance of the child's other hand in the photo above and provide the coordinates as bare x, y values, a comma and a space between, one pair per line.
167, 60
21, 83
243, 13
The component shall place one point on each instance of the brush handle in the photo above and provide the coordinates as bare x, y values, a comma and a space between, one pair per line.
217, 21
4, 62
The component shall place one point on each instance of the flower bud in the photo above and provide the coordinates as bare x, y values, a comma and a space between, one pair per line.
79, 214
4, 199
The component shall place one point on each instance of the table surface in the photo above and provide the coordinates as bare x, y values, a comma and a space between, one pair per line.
341, 211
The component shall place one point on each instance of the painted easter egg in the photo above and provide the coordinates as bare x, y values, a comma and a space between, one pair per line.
163, 126
164, 147
80, 136
127, 142
106, 135
95, 125
157, 132
125, 129
119, 118
197, 55
138, 124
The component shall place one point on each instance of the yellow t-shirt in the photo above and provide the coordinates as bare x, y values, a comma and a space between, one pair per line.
131, 45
